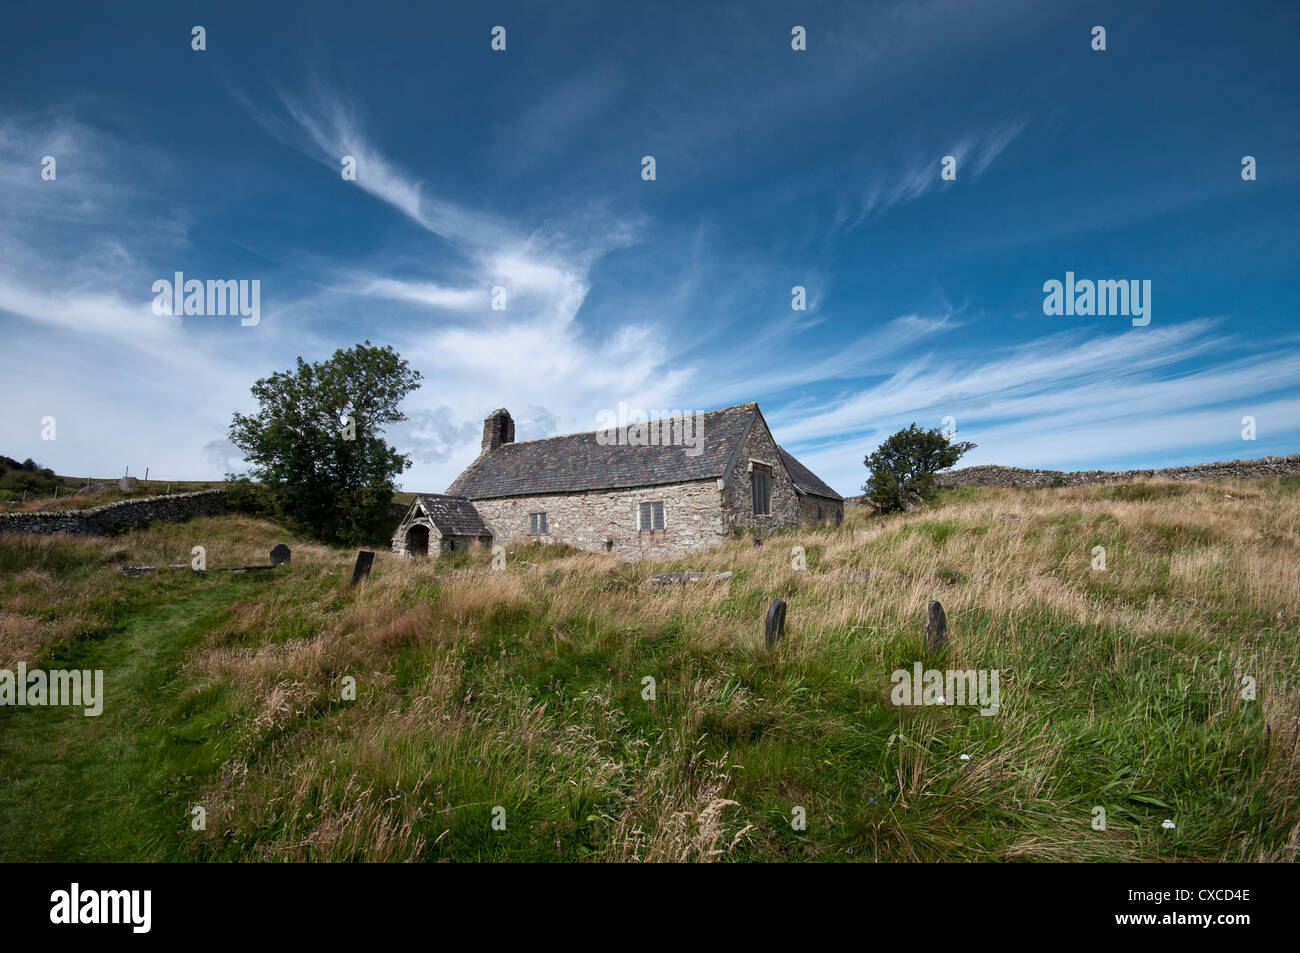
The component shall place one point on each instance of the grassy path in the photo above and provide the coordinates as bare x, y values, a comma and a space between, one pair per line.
77, 788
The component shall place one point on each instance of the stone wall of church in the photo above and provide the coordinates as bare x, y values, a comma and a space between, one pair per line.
601, 521
817, 509
737, 496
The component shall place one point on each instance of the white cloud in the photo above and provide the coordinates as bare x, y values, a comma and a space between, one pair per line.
974, 154
1063, 401
426, 293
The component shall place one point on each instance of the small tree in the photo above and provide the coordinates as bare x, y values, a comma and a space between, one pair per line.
331, 475
26, 477
903, 468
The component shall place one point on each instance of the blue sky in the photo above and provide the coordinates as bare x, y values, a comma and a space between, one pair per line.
774, 168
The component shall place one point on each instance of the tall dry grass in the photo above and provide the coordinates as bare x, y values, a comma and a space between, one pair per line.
526, 690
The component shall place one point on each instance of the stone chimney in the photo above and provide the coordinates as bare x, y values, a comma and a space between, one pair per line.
498, 428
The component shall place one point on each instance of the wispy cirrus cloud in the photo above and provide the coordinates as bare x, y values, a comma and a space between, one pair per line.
324, 126
427, 293
1062, 401
974, 154
532, 352
541, 131
666, 294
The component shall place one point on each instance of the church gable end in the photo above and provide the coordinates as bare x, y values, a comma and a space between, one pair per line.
758, 495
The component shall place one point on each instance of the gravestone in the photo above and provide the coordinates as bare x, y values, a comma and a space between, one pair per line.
362, 569
280, 555
775, 628
936, 627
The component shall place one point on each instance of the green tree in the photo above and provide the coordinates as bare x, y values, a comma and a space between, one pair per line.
903, 468
27, 477
332, 478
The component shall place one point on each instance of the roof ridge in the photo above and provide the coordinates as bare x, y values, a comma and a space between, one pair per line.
584, 433
792, 459
583, 461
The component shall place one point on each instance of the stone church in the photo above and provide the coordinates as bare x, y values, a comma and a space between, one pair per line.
643, 494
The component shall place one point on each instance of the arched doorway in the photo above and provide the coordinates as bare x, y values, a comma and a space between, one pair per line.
417, 540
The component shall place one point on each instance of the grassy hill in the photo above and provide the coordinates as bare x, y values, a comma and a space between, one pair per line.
74, 493
524, 689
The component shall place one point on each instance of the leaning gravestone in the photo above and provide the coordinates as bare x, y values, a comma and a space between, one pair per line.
280, 555
775, 628
362, 569
936, 627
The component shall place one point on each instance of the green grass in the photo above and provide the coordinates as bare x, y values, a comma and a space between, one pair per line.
525, 690
106, 788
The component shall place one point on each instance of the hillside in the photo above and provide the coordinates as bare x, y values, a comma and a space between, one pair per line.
64, 493
993, 475
524, 689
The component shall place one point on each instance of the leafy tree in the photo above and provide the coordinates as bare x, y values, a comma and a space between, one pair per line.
333, 480
245, 496
27, 477
903, 468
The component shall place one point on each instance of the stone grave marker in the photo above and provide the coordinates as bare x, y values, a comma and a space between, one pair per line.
362, 569
775, 628
668, 578
936, 627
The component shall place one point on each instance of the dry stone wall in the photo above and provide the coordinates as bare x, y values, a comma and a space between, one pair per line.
1014, 476
119, 515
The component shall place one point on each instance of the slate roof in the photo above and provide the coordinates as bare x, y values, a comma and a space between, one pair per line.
805, 480
452, 515
574, 463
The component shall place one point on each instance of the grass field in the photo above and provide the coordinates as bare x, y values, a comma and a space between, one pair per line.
524, 690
